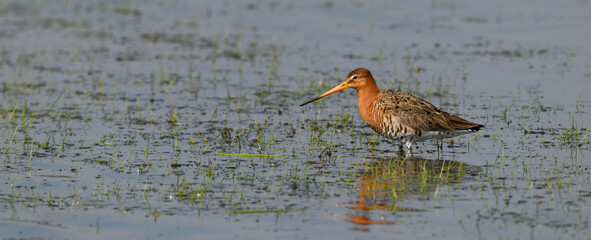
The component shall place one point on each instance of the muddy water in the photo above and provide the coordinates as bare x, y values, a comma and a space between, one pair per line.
153, 119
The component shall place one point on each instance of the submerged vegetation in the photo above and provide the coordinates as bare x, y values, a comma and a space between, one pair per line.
120, 122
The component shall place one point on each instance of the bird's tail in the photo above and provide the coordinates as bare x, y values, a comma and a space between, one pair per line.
463, 124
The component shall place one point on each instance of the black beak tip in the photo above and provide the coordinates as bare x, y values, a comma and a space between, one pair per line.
301, 105
309, 101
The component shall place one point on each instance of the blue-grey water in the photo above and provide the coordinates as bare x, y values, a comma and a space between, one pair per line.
117, 118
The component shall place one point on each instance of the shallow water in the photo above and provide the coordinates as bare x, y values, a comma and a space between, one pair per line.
120, 120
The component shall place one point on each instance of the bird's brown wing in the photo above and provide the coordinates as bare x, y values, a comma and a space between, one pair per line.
416, 114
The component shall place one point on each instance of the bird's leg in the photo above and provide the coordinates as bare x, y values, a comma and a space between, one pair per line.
400, 150
439, 145
409, 146
408, 154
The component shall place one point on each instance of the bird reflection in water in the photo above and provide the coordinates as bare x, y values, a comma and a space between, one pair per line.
383, 181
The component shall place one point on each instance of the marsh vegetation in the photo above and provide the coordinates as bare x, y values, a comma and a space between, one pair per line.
146, 119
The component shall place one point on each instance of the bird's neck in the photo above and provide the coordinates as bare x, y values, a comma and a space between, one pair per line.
367, 95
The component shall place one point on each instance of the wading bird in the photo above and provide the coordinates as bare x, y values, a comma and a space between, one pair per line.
398, 115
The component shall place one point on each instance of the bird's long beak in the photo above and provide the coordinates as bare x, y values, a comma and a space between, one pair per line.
331, 91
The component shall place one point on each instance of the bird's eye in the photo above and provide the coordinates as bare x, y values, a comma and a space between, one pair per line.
355, 77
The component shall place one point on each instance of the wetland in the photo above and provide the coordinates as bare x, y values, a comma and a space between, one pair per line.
181, 119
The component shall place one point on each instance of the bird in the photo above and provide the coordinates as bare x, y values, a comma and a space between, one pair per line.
398, 115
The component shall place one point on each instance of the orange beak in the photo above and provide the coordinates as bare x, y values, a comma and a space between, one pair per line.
331, 91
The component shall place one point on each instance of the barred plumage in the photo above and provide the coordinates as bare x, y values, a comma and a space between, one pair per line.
399, 115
